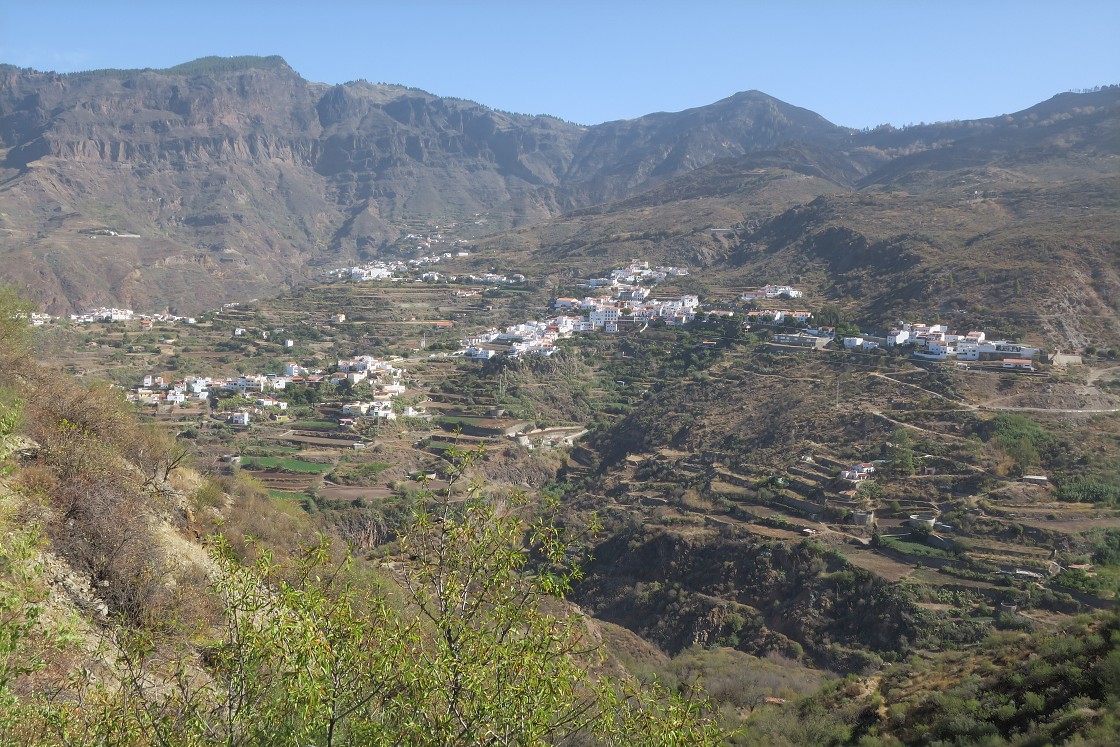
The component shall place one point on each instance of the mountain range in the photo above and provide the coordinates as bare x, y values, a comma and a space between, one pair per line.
232, 177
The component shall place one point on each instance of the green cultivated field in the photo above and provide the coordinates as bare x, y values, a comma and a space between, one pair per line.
283, 463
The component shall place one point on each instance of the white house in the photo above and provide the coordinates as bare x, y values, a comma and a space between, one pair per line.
382, 409
565, 324
605, 315
1018, 364
939, 348
480, 354
968, 350
1011, 348
752, 295
775, 315
245, 384
635, 293
239, 418
773, 291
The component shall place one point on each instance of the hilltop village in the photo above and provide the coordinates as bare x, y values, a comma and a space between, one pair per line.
622, 302
760, 410
308, 428
628, 307
759, 414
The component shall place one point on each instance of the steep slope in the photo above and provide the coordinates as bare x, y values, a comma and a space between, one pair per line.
235, 180
968, 231
232, 177
1081, 128
636, 153
970, 257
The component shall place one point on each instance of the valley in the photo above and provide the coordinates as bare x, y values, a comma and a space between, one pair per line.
961, 499
822, 422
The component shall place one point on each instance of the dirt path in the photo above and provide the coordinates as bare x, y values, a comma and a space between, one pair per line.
1096, 373
939, 434
958, 403
987, 404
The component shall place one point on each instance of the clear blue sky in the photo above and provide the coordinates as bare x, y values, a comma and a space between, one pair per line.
856, 63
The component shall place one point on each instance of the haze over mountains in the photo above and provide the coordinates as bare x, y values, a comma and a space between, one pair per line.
237, 176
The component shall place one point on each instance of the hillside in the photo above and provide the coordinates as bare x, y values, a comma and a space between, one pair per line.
224, 179
554, 530
705, 482
143, 602
969, 232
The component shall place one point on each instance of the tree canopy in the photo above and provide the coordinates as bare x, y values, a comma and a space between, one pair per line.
460, 639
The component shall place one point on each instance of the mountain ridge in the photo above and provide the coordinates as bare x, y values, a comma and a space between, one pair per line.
238, 175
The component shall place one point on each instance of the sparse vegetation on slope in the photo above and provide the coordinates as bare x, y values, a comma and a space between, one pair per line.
116, 626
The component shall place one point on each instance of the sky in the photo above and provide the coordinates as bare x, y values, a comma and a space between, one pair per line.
858, 64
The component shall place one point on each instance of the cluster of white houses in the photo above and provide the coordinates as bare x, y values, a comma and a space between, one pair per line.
770, 291
937, 343
528, 338
113, 314
37, 319
394, 270
638, 272
486, 278
629, 305
382, 377
629, 301
774, 315
933, 342
858, 472
385, 381
779, 316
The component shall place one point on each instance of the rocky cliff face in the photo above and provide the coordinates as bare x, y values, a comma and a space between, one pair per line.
236, 177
